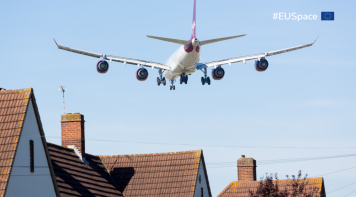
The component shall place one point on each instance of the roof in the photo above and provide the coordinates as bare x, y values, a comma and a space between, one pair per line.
13, 108
74, 178
158, 174
242, 188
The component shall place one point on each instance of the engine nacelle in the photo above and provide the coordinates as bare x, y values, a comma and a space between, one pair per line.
218, 73
261, 65
141, 74
102, 66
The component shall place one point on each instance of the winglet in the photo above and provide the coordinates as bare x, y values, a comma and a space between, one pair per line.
55, 42
316, 39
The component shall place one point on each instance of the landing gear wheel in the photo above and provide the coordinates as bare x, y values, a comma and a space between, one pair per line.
202, 80
164, 82
170, 88
208, 80
174, 87
181, 80
158, 81
186, 79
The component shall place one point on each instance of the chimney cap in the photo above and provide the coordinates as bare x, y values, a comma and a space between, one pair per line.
68, 117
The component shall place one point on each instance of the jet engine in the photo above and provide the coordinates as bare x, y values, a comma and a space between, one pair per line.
102, 66
218, 73
261, 65
141, 74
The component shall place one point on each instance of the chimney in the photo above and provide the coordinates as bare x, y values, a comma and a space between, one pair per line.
73, 132
246, 169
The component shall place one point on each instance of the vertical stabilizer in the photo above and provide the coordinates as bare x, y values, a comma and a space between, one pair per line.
194, 21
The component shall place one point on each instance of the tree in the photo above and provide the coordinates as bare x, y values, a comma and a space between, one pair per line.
295, 187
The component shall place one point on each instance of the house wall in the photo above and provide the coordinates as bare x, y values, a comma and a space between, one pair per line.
22, 182
203, 184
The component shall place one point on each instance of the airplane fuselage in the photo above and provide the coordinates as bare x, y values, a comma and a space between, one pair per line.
183, 60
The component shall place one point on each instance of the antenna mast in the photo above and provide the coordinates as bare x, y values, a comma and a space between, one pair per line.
63, 89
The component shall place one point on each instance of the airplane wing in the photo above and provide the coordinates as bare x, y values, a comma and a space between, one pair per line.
116, 58
250, 57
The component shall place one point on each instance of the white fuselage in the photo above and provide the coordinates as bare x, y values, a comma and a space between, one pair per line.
182, 62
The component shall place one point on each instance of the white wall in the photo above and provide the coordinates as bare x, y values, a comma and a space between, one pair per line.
203, 184
22, 182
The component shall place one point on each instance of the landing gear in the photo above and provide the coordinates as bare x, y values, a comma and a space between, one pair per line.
160, 79
172, 87
184, 78
205, 79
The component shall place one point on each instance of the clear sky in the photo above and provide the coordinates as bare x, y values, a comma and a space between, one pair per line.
306, 98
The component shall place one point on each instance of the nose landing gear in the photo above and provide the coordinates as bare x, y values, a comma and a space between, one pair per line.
172, 87
205, 79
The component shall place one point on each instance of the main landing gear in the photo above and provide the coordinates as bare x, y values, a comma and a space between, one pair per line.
205, 79
172, 87
184, 78
160, 79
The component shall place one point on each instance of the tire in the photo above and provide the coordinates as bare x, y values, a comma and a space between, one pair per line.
174, 87
208, 80
164, 82
202, 80
158, 81
181, 80
170, 88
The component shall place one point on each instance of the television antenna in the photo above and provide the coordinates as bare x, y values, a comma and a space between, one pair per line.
63, 89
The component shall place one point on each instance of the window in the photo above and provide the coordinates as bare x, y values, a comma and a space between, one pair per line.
202, 194
32, 160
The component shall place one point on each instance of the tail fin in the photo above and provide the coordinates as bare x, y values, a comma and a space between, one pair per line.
194, 21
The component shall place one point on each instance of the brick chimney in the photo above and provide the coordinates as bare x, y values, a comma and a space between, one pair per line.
73, 132
246, 169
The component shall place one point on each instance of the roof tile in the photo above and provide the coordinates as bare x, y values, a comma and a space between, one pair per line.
74, 178
11, 118
157, 174
242, 188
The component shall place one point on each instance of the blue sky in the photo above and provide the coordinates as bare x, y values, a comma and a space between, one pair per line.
306, 98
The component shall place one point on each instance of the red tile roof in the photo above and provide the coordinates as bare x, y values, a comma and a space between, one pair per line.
13, 109
13, 106
74, 178
159, 174
242, 188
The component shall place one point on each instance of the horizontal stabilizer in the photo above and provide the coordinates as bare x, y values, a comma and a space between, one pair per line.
219, 39
182, 42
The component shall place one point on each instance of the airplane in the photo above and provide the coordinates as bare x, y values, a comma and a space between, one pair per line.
184, 61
